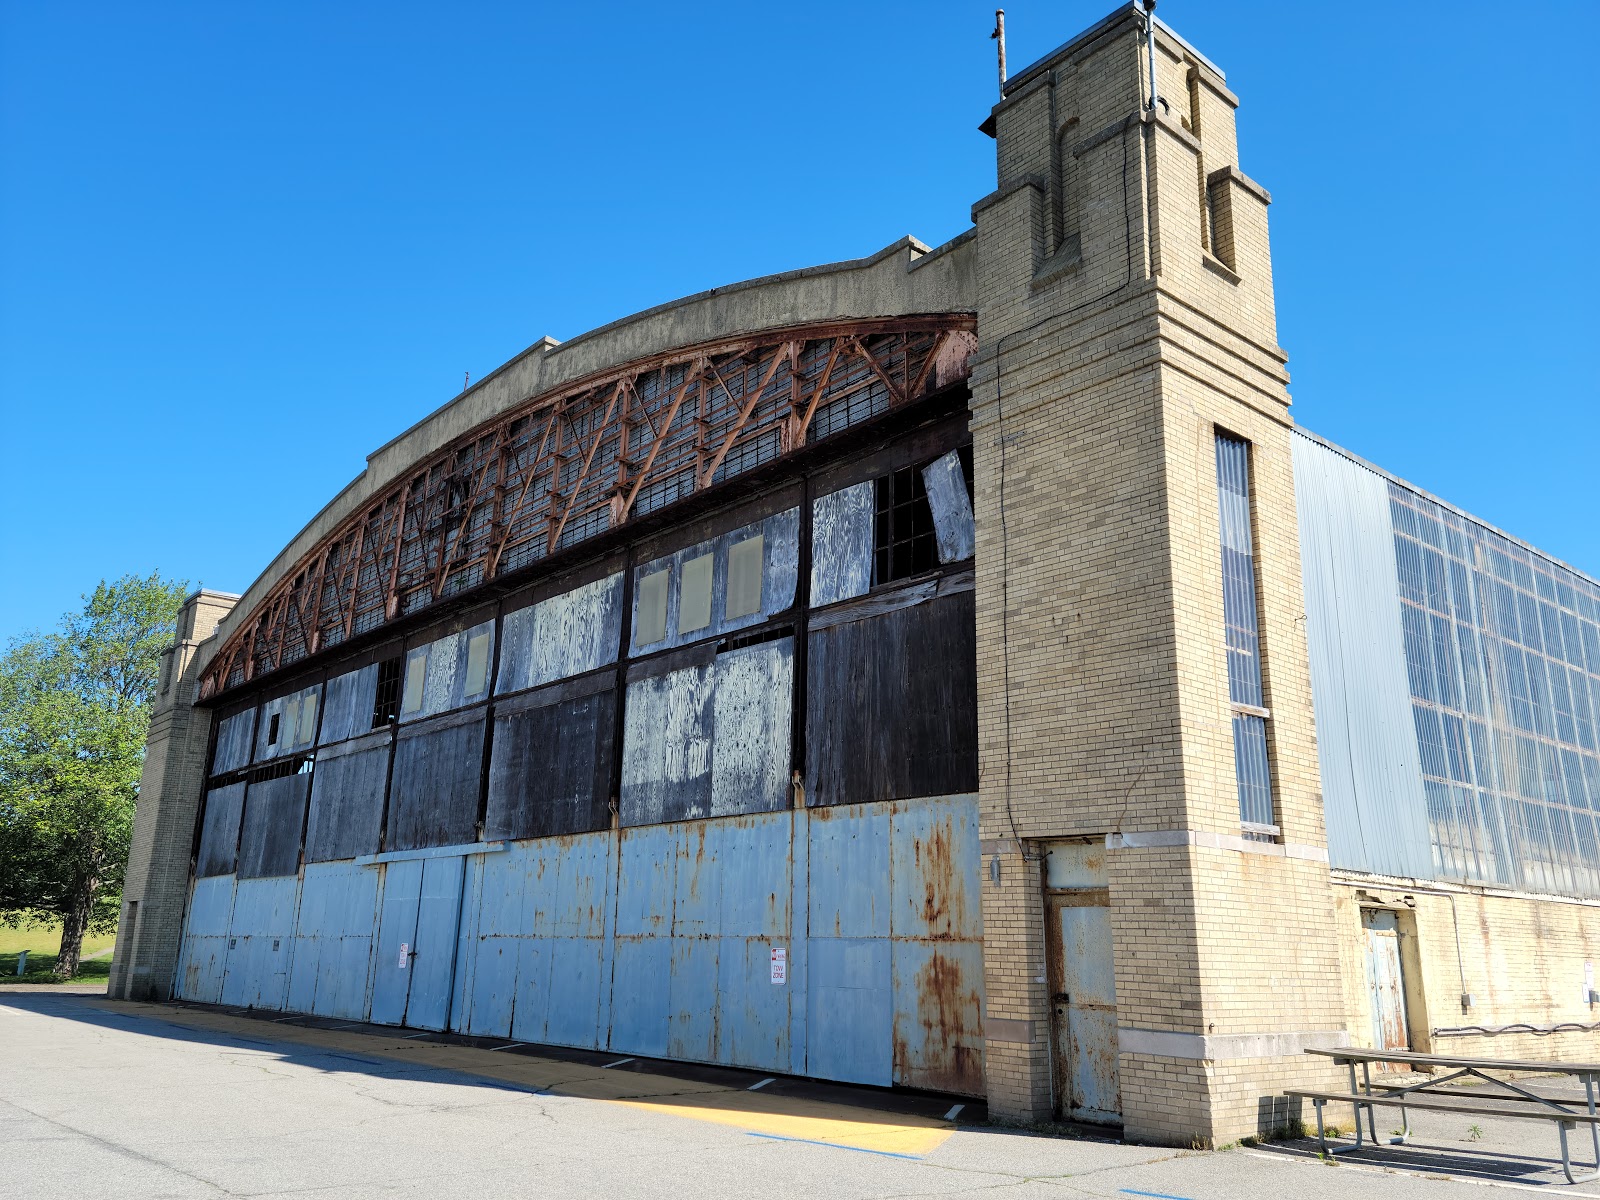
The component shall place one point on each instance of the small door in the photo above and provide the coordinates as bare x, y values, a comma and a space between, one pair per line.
1390, 1030
421, 912
1083, 1002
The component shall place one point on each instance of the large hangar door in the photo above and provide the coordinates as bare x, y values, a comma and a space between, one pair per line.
417, 942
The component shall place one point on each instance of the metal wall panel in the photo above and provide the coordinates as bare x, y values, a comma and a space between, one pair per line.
566, 635
260, 940
892, 704
205, 940
332, 960
946, 486
219, 831
348, 705
347, 793
842, 543
399, 891
1366, 744
235, 737
550, 767
438, 771
779, 574
274, 816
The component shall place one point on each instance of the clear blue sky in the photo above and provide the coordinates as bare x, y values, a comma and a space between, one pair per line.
243, 244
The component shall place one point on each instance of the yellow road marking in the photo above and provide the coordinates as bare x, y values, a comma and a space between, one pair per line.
759, 1112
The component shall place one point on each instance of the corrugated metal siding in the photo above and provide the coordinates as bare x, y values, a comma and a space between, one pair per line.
653, 941
1366, 742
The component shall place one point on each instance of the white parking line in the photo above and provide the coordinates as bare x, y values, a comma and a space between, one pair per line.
618, 1063
952, 1114
507, 1046
756, 1087
413, 1036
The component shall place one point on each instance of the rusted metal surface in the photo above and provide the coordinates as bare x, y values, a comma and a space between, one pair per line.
569, 465
1083, 1010
1385, 982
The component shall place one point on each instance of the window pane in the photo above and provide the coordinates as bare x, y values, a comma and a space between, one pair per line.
1242, 629
416, 675
694, 595
744, 577
477, 665
652, 608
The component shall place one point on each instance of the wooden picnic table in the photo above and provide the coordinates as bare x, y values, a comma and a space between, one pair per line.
1506, 1100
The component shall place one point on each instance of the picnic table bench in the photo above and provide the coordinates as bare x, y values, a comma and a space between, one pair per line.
1506, 1100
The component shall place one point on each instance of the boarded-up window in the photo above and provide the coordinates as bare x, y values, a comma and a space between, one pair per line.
744, 577
550, 770
652, 614
710, 736
694, 603
433, 797
892, 704
565, 635
445, 679
351, 697
283, 728
347, 799
274, 815
841, 544
700, 596
219, 833
945, 482
234, 738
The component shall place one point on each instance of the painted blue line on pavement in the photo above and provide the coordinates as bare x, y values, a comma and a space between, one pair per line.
773, 1137
1157, 1195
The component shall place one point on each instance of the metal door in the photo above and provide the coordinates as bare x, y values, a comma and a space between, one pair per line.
417, 942
1390, 1030
1083, 1007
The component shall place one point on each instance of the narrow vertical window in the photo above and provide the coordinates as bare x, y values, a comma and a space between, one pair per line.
1242, 624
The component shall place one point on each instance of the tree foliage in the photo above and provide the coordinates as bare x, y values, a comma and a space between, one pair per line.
74, 710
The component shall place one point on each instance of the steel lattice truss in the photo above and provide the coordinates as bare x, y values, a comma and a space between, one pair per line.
571, 464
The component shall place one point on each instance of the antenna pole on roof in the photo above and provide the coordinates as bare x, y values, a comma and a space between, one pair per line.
1150, 36
999, 35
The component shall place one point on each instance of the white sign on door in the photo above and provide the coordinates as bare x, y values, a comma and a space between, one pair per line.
405, 954
780, 964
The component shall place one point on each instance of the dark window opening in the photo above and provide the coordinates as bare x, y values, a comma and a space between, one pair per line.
903, 534
272, 730
386, 704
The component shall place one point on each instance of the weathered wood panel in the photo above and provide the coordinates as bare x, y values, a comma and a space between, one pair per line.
780, 534
433, 796
550, 769
841, 544
447, 673
666, 742
288, 724
891, 704
752, 715
348, 705
274, 815
235, 736
219, 833
946, 484
347, 799
565, 635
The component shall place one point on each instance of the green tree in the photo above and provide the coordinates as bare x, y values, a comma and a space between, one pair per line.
74, 710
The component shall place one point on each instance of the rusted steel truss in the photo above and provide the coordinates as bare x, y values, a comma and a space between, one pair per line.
571, 464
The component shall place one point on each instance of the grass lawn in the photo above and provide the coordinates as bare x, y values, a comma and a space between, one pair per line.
42, 944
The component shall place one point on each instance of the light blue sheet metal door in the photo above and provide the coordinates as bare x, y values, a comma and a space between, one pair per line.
1083, 1008
433, 956
397, 938
417, 942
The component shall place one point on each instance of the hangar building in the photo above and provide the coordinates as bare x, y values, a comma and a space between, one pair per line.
949, 669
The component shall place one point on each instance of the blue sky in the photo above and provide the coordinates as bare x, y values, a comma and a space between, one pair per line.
243, 244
